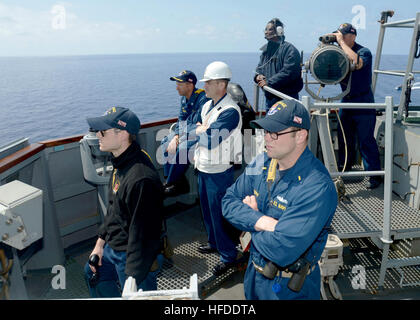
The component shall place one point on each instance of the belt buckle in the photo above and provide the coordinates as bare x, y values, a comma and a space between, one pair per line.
257, 267
286, 274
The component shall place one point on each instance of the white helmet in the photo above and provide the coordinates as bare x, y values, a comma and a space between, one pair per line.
217, 70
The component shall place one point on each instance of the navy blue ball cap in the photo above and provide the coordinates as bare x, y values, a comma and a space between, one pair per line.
116, 117
282, 115
185, 76
346, 28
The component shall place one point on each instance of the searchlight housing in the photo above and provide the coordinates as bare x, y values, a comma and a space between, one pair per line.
328, 65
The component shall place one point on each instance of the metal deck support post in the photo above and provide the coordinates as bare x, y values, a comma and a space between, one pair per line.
378, 57
326, 144
410, 64
313, 133
256, 98
386, 227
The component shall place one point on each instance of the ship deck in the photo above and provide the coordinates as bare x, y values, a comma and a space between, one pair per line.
362, 215
186, 231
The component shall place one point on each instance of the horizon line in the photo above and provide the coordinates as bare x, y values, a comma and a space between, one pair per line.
153, 53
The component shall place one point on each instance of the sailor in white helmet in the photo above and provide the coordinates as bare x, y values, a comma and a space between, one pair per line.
219, 147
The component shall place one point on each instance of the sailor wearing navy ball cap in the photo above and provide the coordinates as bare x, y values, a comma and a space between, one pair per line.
286, 200
128, 241
358, 123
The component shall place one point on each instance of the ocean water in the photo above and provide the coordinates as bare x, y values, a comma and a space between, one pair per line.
49, 97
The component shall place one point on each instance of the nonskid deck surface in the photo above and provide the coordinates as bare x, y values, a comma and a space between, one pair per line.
362, 216
358, 254
186, 232
360, 219
358, 277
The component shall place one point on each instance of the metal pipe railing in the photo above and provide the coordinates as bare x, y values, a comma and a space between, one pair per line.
410, 64
278, 93
393, 73
357, 173
400, 23
388, 160
387, 172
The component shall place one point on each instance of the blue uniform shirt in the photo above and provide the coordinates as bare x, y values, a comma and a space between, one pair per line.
190, 110
303, 201
361, 82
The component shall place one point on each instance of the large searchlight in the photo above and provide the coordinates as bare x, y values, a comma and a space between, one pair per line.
329, 65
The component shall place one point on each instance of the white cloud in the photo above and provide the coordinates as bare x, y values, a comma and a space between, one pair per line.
212, 33
236, 33
147, 32
17, 21
208, 31
26, 31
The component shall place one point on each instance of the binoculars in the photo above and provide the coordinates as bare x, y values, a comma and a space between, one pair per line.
328, 38
299, 269
94, 262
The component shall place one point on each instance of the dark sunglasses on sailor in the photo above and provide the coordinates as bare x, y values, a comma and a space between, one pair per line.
96, 131
275, 135
103, 131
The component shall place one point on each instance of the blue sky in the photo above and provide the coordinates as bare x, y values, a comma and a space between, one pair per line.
33, 27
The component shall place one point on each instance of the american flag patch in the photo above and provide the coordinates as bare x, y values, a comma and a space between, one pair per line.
122, 123
297, 119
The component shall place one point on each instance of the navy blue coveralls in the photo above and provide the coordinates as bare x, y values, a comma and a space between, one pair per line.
280, 64
359, 121
303, 199
189, 115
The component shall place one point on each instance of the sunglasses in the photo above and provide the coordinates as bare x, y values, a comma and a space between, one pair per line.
102, 132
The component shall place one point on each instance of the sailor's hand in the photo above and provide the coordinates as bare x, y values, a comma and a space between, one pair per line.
339, 37
200, 128
262, 81
251, 201
266, 223
260, 77
173, 145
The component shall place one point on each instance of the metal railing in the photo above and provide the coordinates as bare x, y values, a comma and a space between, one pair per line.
408, 73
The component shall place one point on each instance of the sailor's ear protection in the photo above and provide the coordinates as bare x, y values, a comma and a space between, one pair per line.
280, 31
279, 27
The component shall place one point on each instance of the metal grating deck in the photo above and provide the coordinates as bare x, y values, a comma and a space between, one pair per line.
187, 261
185, 231
363, 253
363, 216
